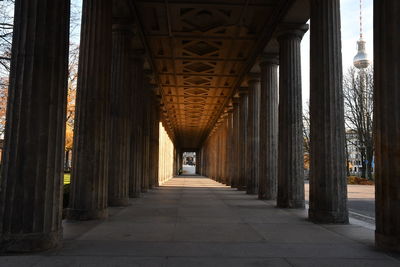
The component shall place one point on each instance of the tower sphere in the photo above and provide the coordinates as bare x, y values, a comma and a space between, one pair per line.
361, 60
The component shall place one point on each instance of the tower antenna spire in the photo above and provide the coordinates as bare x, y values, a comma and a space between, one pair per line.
361, 60
361, 25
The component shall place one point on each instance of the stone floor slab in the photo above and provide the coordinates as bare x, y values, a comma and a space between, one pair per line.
194, 221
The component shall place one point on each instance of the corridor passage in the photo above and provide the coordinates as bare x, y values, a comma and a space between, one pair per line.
195, 221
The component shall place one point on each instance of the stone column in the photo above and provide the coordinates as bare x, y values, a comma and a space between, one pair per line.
175, 160
387, 123
198, 162
156, 132
154, 136
136, 118
226, 148
230, 150
268, 159
252, 153
88, 199
242, 140
179, 160
328, 187
146, 135
118, 165
290, 158
235, 143
32, 180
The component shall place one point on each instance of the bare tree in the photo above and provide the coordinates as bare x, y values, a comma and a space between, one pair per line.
72, 85
306, 128
6, 30
358, 101
75, 23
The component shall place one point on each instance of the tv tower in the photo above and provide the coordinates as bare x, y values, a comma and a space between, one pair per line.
361, 60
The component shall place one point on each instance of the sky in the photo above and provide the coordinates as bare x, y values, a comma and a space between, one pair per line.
350, 29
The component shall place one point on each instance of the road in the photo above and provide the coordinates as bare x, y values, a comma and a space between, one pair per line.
189, 169
361, 201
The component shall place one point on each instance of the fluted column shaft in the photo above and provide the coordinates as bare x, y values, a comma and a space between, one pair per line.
252, 157
32, 167
151, 126
230, 149
136, 118
175, 161
290, 158
157, 144
328, 188
146, 137
223, 150
198, 162
88, 199
226, 149
235, 144
268, 158
387, 123
154, 142
118, 165
242, 140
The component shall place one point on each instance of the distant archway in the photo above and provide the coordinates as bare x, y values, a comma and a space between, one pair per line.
189, 163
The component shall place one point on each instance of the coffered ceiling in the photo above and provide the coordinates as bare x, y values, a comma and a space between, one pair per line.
201, 52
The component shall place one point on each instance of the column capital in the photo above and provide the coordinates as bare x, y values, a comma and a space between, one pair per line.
235, 100
269, 58
154, 88
149, 76
147, 72
229, 107
291, 30
158, 100
229, 110
253, 78
137, 54
242, 91
123, 27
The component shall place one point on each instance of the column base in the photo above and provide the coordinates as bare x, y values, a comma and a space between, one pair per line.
251, 190
328, 217
118, 202
34, 242
265, 197
387, 242
262, 197
293, 204
86, 215
135, 195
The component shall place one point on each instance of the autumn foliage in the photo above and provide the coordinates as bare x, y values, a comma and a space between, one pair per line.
358, 180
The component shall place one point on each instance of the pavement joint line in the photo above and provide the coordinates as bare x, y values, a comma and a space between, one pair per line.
356, 221
362, 215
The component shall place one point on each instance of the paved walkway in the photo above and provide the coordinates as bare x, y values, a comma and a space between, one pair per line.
195, 221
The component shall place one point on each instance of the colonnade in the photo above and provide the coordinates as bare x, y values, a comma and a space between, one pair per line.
117, 124
118, 142
166, 156
280, 154
264, 138
274, 137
